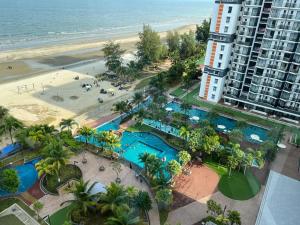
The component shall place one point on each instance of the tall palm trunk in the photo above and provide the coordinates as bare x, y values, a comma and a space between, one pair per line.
10, 135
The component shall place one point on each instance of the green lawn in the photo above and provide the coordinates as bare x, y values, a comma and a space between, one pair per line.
178, 92
67, 173
62, 215
238, 115
239, 186
10, 220
143, 83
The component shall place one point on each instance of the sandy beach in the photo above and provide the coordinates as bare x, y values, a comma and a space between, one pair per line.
40, 86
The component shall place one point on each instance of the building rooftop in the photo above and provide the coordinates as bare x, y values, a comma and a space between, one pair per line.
281, 201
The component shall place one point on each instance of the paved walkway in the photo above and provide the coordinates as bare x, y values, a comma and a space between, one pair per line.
90, 172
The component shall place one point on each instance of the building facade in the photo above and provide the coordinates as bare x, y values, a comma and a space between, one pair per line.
262, 70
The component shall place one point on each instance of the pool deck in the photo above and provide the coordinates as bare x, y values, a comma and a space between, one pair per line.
90, 171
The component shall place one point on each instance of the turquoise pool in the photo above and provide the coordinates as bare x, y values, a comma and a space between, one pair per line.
27, 175
229, 123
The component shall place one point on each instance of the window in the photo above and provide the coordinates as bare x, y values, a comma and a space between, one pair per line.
213, 96
225, 29
219, 65
222, 47
214, 88
216, 80
221, 56
229, 9
227, 19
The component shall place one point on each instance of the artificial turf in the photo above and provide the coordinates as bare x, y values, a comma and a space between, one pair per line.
178, 92
239, 186
59, 217
10, 220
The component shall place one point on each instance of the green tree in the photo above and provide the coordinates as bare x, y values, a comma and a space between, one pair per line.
236, 136
213, 208
67, 124
87, 132
143, 201
109, 140
9, 125
122, 107
43, 167
9, 180
3, 112
174, 168
232, 163
270, 150
123, 217
188, 46
138, 98
202, 31
153, 165
164, 198
234, 217
83, 199
56, 155
184, 158
248, 161
184, 132
38, 206
173, 41
185, 106
149, 47
114, 198
113, 56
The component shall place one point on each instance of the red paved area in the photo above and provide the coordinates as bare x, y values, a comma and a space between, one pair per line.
36, 191
102, 120
200, 183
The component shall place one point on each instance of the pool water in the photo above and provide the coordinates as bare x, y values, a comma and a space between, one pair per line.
27, 175
9, 149
229, 123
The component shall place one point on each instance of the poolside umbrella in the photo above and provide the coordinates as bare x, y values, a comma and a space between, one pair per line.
280, 145
168, 109
111, 90
255, 137
196, 118
220, 126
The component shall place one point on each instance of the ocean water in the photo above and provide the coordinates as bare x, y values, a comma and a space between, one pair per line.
29, 23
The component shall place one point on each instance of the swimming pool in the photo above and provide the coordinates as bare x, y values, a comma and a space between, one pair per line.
228, 123
27, 175
9, 149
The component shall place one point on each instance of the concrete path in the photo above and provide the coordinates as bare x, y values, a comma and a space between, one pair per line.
195, 211
90, 172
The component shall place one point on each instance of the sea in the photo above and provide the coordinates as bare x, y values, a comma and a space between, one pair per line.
34, 23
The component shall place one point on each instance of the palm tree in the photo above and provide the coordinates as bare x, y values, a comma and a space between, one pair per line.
56, 155
87, 132
123, 217
144, 157
83, 199
184, 133
185, 106
122, 107
143, 201
114, 198
109, 140
67, 123
9, 125
234, 217
43, 168
138, 98
3, 112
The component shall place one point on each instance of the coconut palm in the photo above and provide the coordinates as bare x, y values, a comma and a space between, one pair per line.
122, 107
57, 155
185, 106
174, 168
184, 133
9, 125
87, 132
143, 201
234, 217
83, 199
184, 158
43, 168
109, 140
114, 198
248, 161
67, 123
123, 217
138, 98
3, 112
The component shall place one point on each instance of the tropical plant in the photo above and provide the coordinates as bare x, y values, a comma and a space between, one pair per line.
122, 107
232, 163
236, 136
188, 46
248, 161
174, 168
114, 198
10, 124
241, 124
56, 155
138, 98
44, 168
87, 132
37, 206
173, 41
185, 106
67, 123
213, 208
153, 166
184, 132
164, 198
83, 199
234, 217
270, 150
3, 112
108, 140
123, 217
9, 180
143, 201
184, 158
113, 56
202, 31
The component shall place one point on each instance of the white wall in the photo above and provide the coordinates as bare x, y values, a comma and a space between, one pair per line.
219, 89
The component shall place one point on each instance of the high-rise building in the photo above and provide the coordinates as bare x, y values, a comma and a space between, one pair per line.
260, 42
